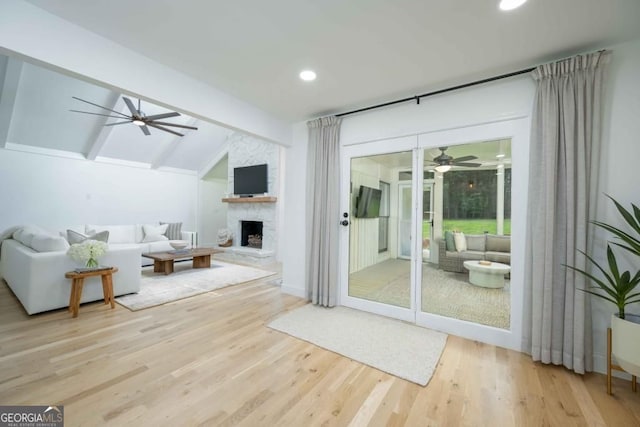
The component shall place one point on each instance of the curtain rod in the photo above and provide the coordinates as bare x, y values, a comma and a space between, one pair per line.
449, 89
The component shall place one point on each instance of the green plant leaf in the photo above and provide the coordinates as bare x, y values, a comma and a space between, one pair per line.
626, 215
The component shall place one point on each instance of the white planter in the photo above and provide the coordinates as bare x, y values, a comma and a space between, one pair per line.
626, 342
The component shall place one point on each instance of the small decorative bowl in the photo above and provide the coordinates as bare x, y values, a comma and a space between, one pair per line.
178, 244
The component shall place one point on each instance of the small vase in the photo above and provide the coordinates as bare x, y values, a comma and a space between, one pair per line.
92, 262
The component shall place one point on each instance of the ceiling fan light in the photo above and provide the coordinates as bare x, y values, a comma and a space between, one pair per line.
138, 122
443, 168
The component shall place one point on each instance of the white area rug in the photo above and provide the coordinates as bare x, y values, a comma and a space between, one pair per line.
184, 282
398, 348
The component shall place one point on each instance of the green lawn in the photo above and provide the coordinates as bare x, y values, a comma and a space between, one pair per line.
470, 226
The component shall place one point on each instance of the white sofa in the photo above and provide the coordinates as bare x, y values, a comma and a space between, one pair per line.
133, 234
33, 262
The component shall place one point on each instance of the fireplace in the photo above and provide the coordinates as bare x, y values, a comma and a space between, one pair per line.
251, 234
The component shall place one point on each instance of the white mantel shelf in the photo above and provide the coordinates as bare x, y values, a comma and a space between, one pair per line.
261, 199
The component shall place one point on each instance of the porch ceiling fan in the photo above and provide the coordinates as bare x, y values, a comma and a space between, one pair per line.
444, 162
138, 118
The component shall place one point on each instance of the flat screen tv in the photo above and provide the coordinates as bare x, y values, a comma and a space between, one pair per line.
368, 202
250, 180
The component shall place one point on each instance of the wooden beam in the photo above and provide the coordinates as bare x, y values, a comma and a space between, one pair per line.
10, 87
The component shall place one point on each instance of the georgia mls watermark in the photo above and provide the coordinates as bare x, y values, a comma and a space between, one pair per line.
32, 416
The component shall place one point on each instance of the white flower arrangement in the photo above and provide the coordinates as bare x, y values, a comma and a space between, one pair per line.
88, 251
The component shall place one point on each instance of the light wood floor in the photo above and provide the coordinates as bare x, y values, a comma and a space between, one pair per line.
210, 360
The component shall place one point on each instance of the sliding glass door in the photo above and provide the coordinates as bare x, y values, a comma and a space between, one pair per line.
428, 231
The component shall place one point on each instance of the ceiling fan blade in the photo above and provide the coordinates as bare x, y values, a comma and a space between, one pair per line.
163, 116
464, 159
164, 129
98, 114
99, 106
174, 124
130, 106
468, 165
118, 123
145, 130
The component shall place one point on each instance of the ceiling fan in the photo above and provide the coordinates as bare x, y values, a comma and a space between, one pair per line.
444, 162
138, 118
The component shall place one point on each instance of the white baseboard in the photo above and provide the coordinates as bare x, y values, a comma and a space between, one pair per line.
295, 291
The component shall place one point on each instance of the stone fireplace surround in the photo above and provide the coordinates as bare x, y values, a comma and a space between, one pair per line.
248, 151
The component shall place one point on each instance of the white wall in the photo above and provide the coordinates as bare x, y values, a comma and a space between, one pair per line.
503, 99
34, 34
294, 258
212, 212
618, 170
55, 192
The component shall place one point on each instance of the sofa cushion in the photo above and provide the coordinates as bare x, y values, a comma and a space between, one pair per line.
49, 243
25, 234
174, 230
476, 242
460, 241
498, 243
471, 255
449, 242
117, 233
503, 257
75, 237
40, 240
154, 233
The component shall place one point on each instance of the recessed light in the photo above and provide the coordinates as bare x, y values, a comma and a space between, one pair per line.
499, 156
511, 4
307, 75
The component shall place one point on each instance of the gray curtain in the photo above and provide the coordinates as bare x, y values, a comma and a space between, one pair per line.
323, 207
565, 146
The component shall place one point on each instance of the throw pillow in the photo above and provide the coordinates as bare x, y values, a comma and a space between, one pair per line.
174, 230
460, 241
75, 237
449, 242
48, 243
476, 242
154, 233
499, 243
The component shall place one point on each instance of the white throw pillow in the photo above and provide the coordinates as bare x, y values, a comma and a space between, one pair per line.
461, 242
49, 243
117, 233
154, 233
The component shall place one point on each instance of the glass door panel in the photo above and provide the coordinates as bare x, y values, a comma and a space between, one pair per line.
380, 225
474, 202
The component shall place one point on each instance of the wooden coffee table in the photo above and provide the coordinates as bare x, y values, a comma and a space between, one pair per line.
163, 261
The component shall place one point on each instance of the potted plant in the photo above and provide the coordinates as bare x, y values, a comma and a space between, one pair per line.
620, 289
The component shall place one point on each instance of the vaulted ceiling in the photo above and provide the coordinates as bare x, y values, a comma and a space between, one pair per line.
34, 114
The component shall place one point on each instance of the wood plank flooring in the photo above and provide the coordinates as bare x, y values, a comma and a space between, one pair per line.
210, 360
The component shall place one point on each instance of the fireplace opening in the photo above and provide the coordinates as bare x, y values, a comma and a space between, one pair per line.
251, 234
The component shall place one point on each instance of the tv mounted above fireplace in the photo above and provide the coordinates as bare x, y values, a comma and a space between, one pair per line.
250, 180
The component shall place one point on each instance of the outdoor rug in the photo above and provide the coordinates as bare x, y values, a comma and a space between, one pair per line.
185, 282
398, 348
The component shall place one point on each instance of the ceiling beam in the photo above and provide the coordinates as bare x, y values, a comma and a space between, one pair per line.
101, 139
8, 97
173, 145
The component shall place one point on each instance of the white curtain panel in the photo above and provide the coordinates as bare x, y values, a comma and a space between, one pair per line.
324, 209
565, 146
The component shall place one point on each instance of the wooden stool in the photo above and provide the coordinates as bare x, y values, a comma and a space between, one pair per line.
611, 366
77, 281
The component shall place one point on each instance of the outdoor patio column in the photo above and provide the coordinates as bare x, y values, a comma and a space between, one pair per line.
500, 200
